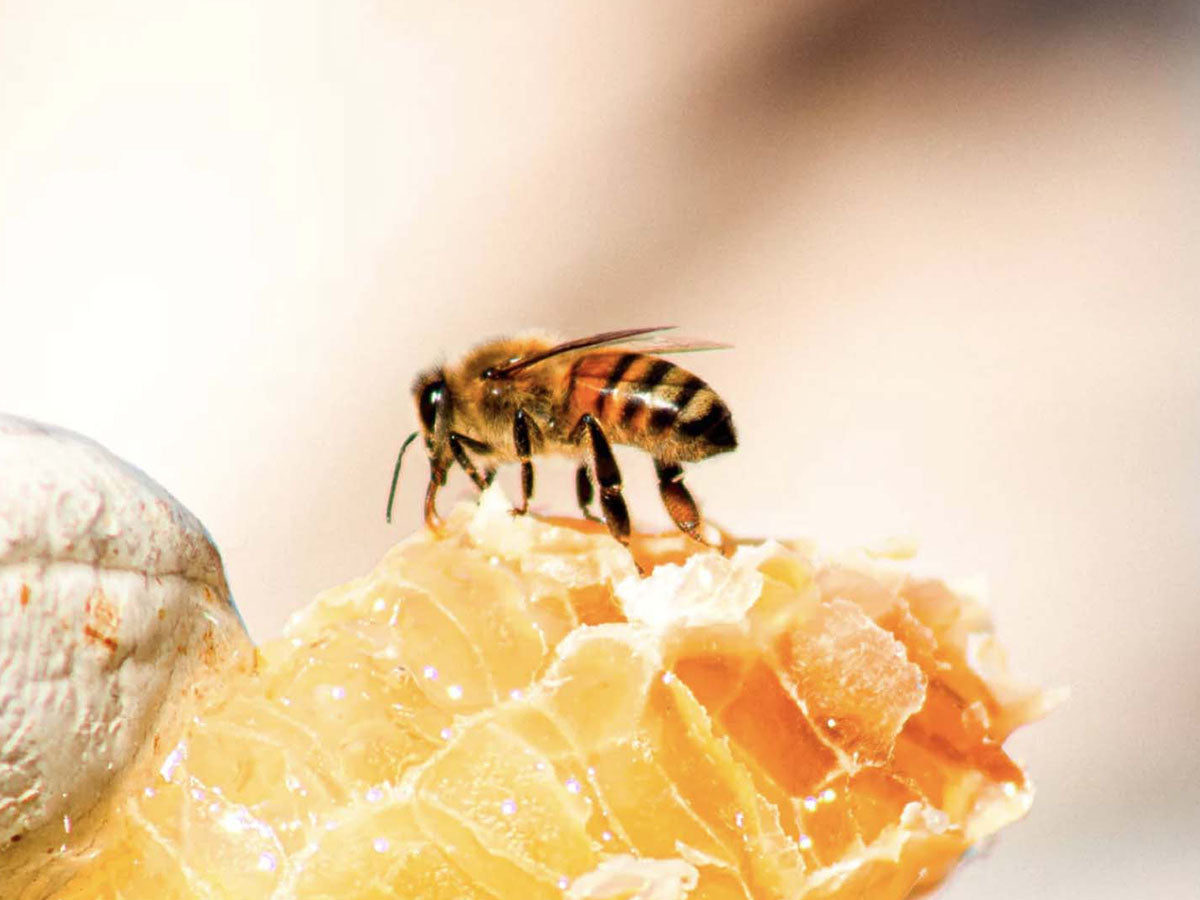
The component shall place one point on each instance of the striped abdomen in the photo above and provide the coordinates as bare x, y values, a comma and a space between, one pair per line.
650, 403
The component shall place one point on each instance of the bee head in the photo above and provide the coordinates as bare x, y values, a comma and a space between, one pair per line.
433, 401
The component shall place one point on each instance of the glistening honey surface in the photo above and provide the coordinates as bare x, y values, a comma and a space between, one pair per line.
499, 713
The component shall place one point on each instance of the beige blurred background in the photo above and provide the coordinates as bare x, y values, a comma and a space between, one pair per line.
957, 246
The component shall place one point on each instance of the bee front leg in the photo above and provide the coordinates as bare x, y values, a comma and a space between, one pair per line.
437, 477
460, 456
604, 465
521, 441
678, 499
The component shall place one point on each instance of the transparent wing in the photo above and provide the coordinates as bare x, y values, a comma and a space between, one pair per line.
603, 339
643, 340
667, 346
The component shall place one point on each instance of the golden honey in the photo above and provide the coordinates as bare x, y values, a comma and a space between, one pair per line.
511, 711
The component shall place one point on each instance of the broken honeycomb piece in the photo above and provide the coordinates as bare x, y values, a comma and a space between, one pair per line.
511, 711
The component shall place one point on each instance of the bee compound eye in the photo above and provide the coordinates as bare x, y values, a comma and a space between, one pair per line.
430, 403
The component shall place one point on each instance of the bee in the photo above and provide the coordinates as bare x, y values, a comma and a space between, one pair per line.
512, 399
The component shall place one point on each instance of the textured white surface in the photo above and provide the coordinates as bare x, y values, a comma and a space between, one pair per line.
706, 590
112, 598
623, 877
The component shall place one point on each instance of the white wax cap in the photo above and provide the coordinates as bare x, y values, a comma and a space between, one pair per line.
112, 601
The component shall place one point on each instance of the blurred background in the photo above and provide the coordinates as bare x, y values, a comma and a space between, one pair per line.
956, 245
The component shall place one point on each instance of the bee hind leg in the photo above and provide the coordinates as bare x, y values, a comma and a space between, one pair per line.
678, 499
522, 442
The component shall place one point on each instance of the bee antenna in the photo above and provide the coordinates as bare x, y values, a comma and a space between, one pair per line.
396, 474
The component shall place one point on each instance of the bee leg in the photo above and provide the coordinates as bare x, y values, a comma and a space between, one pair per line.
678, 499
524, 452
604, 466
583, 491
437, 477
461, 457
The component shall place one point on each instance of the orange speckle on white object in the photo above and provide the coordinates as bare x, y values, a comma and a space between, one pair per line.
113, 601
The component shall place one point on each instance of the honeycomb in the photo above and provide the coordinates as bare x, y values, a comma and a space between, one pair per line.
511, 711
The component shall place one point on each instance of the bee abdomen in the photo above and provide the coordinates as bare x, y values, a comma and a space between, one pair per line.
652, 403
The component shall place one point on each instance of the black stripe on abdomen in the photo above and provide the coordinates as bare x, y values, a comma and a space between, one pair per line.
614, 379
633, 404
665, 416
662, 415
655, 375
715, 426
690, 389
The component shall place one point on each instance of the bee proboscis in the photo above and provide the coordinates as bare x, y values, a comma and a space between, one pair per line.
512, 399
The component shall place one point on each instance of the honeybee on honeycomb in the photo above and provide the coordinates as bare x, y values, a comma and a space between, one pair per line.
512, 399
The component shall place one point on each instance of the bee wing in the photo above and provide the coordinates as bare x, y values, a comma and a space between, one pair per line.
604, 339
667, 346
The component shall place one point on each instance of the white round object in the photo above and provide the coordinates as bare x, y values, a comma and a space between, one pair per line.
112, 601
